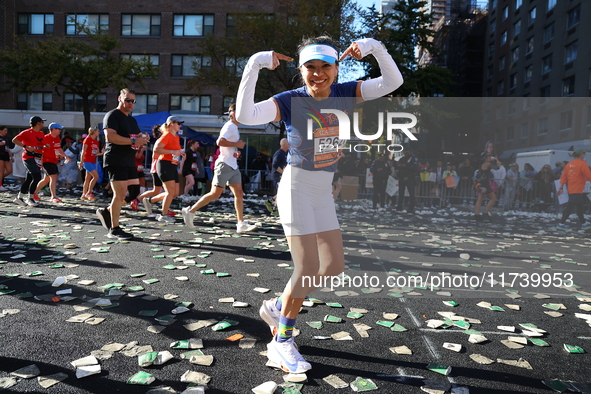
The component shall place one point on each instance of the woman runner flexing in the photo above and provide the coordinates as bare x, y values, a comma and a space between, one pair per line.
306, 205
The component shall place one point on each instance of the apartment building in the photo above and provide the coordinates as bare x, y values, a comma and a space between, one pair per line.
169, 34
537, 49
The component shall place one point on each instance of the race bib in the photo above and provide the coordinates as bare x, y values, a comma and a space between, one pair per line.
134, 146
327, 146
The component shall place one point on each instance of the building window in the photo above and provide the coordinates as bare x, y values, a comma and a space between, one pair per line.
230, 26
545, 92
543, 126
192, 25
511, 107
568, 86
34, 102
489, 72
493, 4
549, 33
500, 88
498, 112
505, 13
504, 38
551, 4
236, 65
513, 81
145, 103
570, 52
529, 47
35, 24
228, 100
566, 120
573, 17
514, 55
518, 4
73, 102
516, 28
525, 106
510, 133
529, 72
491, 49
502, 62
186, 65
197, 104
493, 26
95, 22
547, 64
524, 130
532, 16
140, 25
154, 59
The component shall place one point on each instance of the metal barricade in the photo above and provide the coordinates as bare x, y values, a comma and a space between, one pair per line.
256, 181
524, 195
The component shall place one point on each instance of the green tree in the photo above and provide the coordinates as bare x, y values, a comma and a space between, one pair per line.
402, 31
280, 30
80, 65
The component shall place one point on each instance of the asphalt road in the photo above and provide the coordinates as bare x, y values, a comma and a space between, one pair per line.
477, 262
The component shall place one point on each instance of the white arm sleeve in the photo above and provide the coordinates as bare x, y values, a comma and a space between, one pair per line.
247, 112
391, 78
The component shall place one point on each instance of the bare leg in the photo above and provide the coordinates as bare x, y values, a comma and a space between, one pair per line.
2, 170
94, 174
315, 257
151, 194
7, 168
189, 183
236, 189
478, 203
169, 195
119, 189
43, 183
214, 194
491, 202
86, 184
53, 185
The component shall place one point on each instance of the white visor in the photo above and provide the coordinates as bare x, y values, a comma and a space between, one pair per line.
318, 52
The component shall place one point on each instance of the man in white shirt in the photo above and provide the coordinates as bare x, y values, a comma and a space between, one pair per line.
226, 172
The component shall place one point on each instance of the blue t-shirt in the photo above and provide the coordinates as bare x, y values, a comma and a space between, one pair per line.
319, 150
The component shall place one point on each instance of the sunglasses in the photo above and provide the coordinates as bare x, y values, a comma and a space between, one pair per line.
128, 100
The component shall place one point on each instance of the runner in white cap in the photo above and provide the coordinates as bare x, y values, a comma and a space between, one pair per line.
305, 202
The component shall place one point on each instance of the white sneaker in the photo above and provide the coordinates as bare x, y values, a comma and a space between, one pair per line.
3, 189
165, 218
245, 227
147, 205
188, 216
287, 356
19, 201
31, 202
270, 314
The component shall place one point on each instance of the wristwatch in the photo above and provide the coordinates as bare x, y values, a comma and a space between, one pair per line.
132, 140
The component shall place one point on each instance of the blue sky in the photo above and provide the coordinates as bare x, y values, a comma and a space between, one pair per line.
368, 3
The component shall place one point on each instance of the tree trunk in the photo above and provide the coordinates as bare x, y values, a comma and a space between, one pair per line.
86, 111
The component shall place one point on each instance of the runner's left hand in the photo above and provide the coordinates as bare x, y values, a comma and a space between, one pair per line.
352, 51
